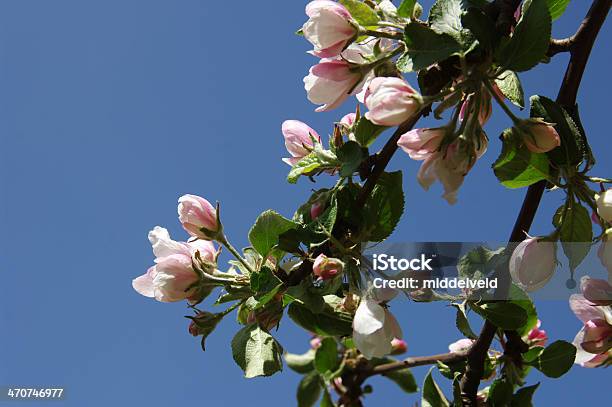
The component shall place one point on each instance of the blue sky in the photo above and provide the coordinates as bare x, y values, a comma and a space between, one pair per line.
111, 110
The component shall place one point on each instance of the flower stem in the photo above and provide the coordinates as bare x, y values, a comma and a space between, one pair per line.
383, 34
223, 240
501, 103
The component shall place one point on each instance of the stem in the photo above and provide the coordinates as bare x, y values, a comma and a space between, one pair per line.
500, 102
383, 34
388, 24
447, 358
223, 240
580, 51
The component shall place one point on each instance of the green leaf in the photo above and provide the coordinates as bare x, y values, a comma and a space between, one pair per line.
522, 398
266, 230
500, 393
256, 352
518, 167
326, 356
432, 394
329, 322
533, 354
300, 363
445, 18
520, 298
361, 12
556, 8
576, 232
326, 400
504, 315
510, 85
384, 206
366, 131
478, 262
461, 321
481, 26
350, 155
425, 47
406, 9
529, 42
403, 378
557, 359
572, 150
309, 390
306, 165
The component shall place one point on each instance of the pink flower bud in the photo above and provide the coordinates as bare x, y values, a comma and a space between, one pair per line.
604, 205
461, 345
391, 101
594, 341
315, 342
598, 292
533, 263
327, 267
486, 108
348, 119
330, 82
541, 137
298, 140
398, 346
537, 336
316, 210
203, 323
421, 143
329, 27
198, 217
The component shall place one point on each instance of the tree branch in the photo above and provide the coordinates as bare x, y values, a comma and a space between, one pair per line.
447, 358
580, 45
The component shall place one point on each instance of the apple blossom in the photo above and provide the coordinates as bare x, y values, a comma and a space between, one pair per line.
462, 345
391, 101
598, 292
198, 217
348, 119
421, 143
485, 110
604, 205
374, 328
594, 341
331, 81
329, 28
533, 263
299, 140
316, 209
605, 253
537, 336
539, 136
327, 267
173, 278
398, 346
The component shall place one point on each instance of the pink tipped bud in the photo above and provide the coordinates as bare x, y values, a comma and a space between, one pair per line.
537, 336
391, 101
198, 217
533, 263
316, 210
327, 267
540, 137
315, 342
398, 346
604, 205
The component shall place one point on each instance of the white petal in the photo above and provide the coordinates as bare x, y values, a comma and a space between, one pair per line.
369, 317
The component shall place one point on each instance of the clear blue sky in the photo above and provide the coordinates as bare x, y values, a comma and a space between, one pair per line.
111, 110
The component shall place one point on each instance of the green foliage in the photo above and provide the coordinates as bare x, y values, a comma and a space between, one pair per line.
576, 232
518, 167
300, 363
328, 322
529, 42
256, 352
482, 28
522, 398
556, 8
519, 297
306, 165
366, 132
361, 12
384, 206
479, 261
510, 85
500, 393
425, 47
445, 18
461, 321
266, 230
406, 8
504, 315
309, 390
556, 359
350, 156
432, 394
326, 356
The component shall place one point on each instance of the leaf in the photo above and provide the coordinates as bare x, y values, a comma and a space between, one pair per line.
557, 359
518, 167
520, 298
481, 26
406, 9
504, 315
572, 150
461, 321
432, 395
366, 131
500, 393
326, 356
361, 12
256, 352
529, 42
326, 400
478, 262
576, 227
326, 323
306, 165
556, 8
300, 363
445, 18
350, 155
510, 85
384, 206
522, 398
266, 230
309, 390
425, 47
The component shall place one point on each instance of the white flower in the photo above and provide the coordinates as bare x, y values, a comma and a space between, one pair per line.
374, 327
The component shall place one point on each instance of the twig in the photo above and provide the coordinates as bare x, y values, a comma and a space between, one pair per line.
580, 49
447, 358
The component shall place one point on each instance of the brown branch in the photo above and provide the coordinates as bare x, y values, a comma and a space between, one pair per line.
447, 358
580, 47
